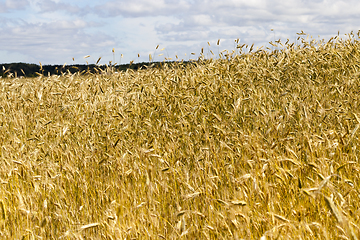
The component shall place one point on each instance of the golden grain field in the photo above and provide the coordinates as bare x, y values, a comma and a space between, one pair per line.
259, 145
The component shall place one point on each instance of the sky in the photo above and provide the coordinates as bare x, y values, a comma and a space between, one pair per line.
65, 31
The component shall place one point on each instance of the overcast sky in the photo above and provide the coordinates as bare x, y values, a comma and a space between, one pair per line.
56, 31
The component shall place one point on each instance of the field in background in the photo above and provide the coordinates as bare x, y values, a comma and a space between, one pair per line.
256, 145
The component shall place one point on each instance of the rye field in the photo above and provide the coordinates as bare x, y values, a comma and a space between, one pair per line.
253, 145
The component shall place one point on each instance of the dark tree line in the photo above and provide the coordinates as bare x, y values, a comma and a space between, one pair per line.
34, 70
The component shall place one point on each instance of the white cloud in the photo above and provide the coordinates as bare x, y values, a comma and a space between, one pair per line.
56, 30
16, 4
141, 8
12, 5
49, 42
48, 6
286, 17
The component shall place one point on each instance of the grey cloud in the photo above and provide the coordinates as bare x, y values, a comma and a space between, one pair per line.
7, 22
10, 5
191, 23
52, 6
17, 4
141, 8
187, 36
53, 41
183, 22
246, 19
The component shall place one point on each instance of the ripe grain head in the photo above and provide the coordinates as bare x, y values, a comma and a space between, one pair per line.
220, 148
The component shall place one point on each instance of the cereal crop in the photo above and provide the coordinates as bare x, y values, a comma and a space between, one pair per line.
259, 144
